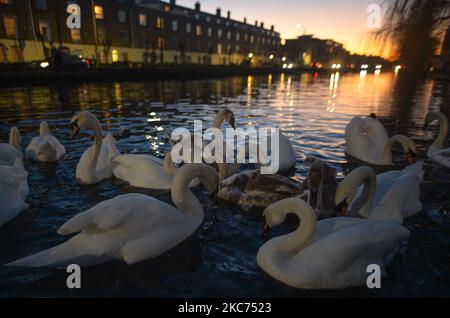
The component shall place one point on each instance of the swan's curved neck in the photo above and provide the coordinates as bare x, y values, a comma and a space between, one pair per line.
219, 119
367, 177
169, 165
14, 138
438, 144
182, 196
292, 243
387, 152
97, 146
43, 129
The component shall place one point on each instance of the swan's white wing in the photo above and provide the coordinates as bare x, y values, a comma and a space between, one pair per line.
131, 227
8, 154
441, 157
402, 186
288, 157
402, 200
55, 144
13, 190
340, 260
141, 171
365, 139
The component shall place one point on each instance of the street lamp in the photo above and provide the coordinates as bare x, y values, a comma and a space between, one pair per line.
271, 56
250, 55
284, 59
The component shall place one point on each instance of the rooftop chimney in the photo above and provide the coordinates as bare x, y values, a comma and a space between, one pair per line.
262, 25
272, 28
218, 12
256, 23
245, 20
197, 6
228, 14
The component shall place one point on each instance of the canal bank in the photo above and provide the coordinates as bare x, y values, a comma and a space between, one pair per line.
38, 76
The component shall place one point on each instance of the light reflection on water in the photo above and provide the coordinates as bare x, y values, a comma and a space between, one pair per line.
311, 109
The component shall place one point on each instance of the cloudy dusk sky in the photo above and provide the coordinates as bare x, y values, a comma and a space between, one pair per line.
344, 21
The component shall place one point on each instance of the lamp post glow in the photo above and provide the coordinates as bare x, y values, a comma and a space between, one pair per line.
250, 55
284, 59
271, 56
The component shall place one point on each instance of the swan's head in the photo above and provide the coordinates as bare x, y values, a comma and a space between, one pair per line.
273, 216
431, 116
82, 120
228, 116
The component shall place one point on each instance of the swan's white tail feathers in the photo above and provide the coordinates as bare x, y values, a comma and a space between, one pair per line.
55, 256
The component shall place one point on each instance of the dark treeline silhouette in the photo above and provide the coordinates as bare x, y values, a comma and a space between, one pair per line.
415, 27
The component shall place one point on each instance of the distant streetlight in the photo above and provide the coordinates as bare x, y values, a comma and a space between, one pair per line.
271, 56
284, 58
250, 55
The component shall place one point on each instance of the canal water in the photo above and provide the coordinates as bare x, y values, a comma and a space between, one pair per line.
220, 259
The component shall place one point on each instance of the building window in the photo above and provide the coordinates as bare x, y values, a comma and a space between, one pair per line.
10, 2
11, 28
219, 33
142, 19
159, 42
41, 5
144, 41
174, 25
75, 34
209, 32
160, 23
219, 48
45, 30
208, 19
99, 12
101, 34
167, 8
188, 28
123, 35
198, 30
115, 56
229, 35
245, 37
238, 49
252, 38
122, 15
238, 36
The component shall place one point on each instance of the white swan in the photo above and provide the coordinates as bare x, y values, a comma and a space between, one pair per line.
11, 151
437, 152
13, 190
130, 227
95, 163
367, 140
396, 194
329, 254
46, 147
146, 171
288, 158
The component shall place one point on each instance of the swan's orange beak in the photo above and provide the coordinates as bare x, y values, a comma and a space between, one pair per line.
266, 231
74, 131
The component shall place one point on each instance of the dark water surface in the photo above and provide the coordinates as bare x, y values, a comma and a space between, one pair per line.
220, 259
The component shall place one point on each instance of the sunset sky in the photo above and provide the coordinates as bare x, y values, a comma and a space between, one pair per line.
344, 21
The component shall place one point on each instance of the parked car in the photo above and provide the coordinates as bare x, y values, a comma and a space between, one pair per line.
62, 59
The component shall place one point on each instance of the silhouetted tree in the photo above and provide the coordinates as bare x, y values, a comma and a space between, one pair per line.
415, 27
